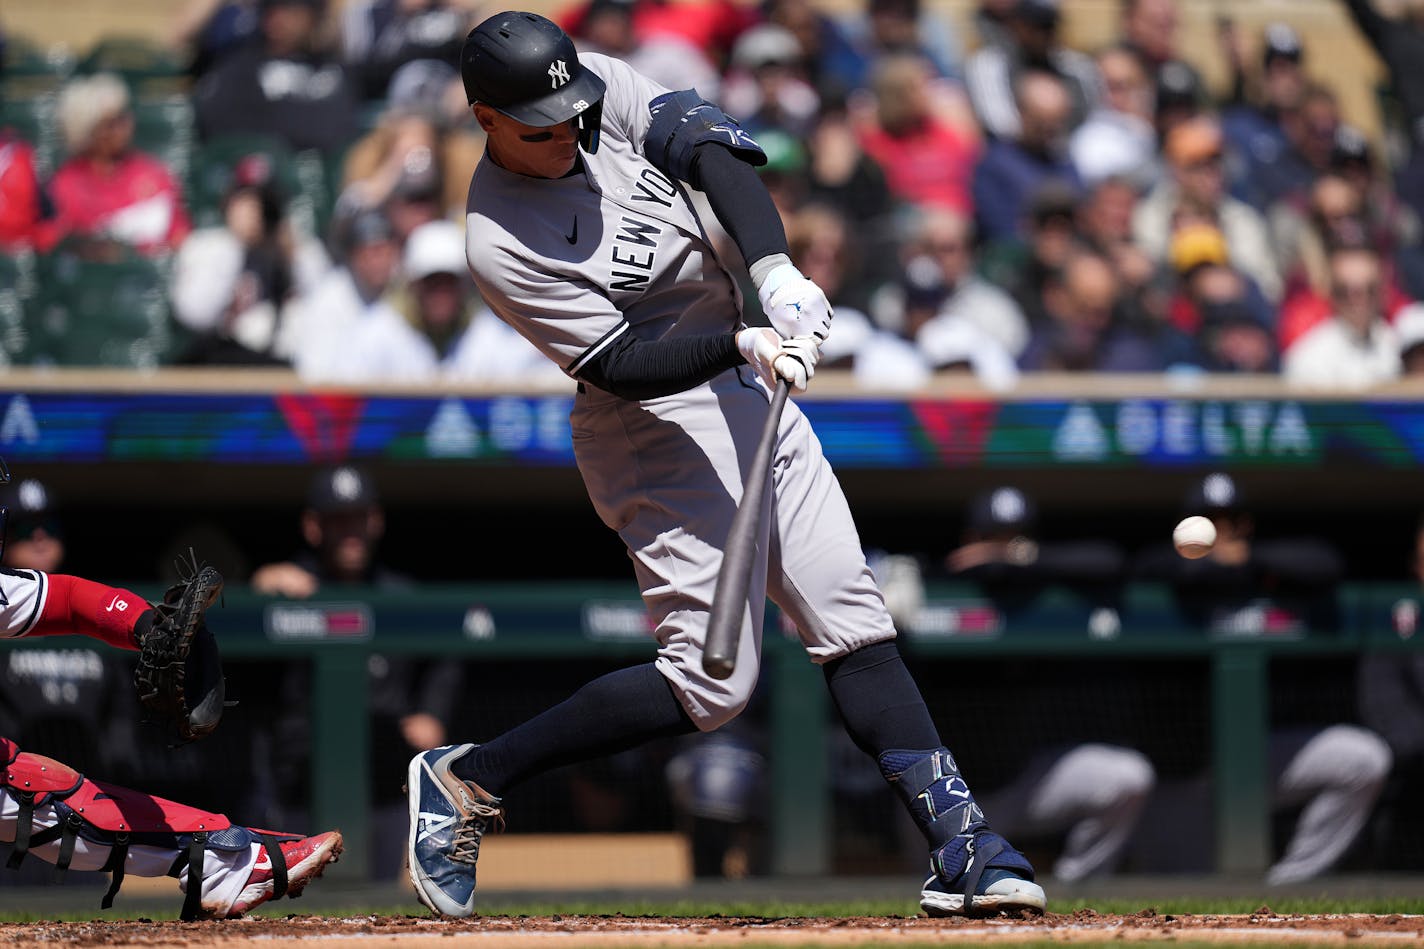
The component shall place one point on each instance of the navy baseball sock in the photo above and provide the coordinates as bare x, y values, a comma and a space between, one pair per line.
878, 700
613, 713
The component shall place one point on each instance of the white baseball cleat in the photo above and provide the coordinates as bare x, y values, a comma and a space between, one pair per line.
1005, 894
448, 818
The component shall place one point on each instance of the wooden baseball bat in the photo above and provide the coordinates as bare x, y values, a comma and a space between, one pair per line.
724, 626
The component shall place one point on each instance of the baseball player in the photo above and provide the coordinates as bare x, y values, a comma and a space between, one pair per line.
50, 810
581, 235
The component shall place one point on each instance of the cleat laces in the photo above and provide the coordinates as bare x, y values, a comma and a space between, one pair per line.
472, 827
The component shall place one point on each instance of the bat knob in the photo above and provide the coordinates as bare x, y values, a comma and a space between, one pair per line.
718, 667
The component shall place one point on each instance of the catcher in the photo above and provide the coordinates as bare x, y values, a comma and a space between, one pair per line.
51, 811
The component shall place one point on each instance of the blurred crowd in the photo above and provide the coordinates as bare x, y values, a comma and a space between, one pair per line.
974, 196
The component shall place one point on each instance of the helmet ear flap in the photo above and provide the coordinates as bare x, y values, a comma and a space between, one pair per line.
590, 121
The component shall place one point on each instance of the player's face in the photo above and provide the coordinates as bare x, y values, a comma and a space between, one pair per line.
539, 152
348, 540
440, 300
36, 549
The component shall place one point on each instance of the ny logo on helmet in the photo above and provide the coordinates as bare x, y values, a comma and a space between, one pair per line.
559, 73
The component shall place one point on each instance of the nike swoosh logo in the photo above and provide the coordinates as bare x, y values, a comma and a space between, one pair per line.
572, 237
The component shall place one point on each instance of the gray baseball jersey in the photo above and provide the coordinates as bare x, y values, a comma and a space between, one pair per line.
617, 247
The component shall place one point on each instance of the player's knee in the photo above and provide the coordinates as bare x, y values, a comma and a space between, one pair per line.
726, 709
1132, 774
710, 703
1361, 759
1121, 777
1365, 753
838, 647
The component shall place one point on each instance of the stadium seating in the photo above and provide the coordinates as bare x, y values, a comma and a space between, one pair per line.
301, 176
29, 65
99, 312
17, 288
163, 127
30, 112
135, 58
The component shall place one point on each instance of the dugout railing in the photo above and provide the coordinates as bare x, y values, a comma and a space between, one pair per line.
570, 622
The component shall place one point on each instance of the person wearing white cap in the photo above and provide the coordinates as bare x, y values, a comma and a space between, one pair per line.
435, 329
766, 86
108, 189
1118, 139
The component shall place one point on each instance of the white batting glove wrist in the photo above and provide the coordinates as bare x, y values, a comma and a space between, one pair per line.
794, 305
760, 346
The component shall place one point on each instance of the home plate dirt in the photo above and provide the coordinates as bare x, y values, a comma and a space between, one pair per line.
575, 932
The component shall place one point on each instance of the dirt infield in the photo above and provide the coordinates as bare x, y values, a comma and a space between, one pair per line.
575, 932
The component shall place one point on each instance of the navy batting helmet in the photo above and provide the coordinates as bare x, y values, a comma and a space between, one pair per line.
524, 66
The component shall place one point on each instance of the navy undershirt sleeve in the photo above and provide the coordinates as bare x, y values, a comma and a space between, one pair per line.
632, 368
740, 201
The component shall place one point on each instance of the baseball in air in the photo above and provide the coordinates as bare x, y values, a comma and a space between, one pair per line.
1194, 537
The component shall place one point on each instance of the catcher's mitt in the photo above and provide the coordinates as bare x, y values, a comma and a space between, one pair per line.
179, 675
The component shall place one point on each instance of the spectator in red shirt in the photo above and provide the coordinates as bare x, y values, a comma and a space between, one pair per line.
108, 189
1335, 217
710, 25
926, 160
21, 200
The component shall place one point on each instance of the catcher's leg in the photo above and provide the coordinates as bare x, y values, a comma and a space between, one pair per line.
49, 810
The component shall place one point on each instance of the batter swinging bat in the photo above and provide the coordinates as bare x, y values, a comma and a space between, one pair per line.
724, 627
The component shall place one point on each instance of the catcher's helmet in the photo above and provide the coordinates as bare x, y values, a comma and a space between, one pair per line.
524, 66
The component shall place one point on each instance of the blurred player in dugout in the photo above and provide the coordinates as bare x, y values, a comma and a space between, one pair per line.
1085, 796
1081, 799
411, 700
1390, 690
72, 701
1331, 774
